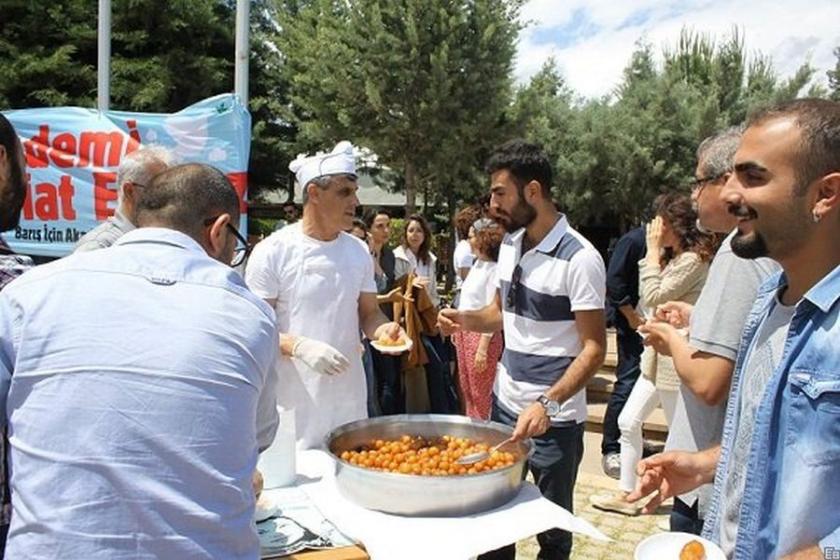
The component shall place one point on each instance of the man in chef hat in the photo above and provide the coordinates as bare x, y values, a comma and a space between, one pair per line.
320, 282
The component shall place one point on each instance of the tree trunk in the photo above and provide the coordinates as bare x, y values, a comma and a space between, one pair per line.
450, 240
410, 188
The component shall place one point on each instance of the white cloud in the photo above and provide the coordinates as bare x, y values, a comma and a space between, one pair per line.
787, 30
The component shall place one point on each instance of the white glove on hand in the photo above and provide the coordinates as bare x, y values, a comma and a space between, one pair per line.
319, 356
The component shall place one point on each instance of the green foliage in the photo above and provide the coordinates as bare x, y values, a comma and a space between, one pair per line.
396, 236
834, 78
614, 155
166, 54
47, 53
422, 83
261, 226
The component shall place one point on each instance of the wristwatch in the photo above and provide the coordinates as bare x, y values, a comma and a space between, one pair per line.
552, 408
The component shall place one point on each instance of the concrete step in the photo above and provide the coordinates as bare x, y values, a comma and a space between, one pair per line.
600, 387
654, 428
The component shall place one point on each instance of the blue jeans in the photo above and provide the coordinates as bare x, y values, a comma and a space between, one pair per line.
626, 373
686, 519
554, 466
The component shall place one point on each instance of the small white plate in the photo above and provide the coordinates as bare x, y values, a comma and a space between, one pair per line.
404, 347
266, 507
667, 546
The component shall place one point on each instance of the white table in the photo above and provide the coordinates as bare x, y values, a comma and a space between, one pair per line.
388, 537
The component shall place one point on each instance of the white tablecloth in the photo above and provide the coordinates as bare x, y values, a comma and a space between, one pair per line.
392, 537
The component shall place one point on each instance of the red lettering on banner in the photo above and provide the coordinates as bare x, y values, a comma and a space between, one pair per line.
46, 204
239, 180
64, 148
36, 148
103, 194
46, 201
90, 148
65, 194
93, 145
133, 143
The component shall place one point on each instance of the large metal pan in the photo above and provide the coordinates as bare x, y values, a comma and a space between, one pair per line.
439, 496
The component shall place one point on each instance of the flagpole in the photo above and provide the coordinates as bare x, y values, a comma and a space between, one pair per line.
103, 67
242, 50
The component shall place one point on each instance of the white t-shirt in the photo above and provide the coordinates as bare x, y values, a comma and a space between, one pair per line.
316, 285
462, 257
480, 286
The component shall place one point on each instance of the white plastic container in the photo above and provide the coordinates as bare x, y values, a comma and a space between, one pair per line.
277, 463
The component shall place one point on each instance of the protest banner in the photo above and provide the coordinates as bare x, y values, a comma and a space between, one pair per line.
72, 157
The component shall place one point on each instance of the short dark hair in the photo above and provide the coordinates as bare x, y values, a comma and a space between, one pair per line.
526, 162
370, 216
12, 197
360, 223
819, 123
184, 196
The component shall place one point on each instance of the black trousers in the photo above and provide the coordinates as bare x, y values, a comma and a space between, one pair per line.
554, 466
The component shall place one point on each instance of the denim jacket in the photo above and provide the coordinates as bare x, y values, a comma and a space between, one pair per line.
792, 491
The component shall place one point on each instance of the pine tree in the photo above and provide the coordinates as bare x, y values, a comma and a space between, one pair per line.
422, 83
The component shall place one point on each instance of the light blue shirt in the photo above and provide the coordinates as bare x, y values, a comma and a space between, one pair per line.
792, 476
134, 382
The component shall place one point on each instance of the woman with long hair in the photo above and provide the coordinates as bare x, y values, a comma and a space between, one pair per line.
415, 255
674, 269
478, 353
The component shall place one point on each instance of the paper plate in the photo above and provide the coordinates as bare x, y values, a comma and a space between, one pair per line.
404, 347
667, 546
266, 507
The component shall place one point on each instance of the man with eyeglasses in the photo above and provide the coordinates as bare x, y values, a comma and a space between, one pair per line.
706, 359
136, 386
320, 282
135, 171
551, 305
776, 472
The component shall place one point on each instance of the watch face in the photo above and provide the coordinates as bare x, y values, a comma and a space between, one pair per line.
552, 408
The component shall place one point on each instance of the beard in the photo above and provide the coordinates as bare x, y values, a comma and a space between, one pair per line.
12, 202
747, 245
521, 215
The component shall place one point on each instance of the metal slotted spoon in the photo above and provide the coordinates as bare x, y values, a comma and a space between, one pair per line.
479, 456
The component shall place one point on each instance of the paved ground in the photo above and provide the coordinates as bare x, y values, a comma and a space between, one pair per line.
626, 531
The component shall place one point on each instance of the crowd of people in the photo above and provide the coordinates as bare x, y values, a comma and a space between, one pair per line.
140, 376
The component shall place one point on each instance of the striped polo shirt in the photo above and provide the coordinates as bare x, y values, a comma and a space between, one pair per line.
540, 293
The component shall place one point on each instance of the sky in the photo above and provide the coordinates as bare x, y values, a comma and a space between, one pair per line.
592, 40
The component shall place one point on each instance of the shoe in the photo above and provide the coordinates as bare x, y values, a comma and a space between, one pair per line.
614, 503
611, 463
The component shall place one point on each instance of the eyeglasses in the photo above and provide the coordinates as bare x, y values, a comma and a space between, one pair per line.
243, 248
510, 300
700, 184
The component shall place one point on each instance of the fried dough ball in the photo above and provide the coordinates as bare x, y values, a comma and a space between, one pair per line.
420, 456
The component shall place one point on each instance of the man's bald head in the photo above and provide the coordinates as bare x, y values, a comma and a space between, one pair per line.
184, 197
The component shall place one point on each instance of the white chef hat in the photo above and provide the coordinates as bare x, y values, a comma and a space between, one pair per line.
339, 161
